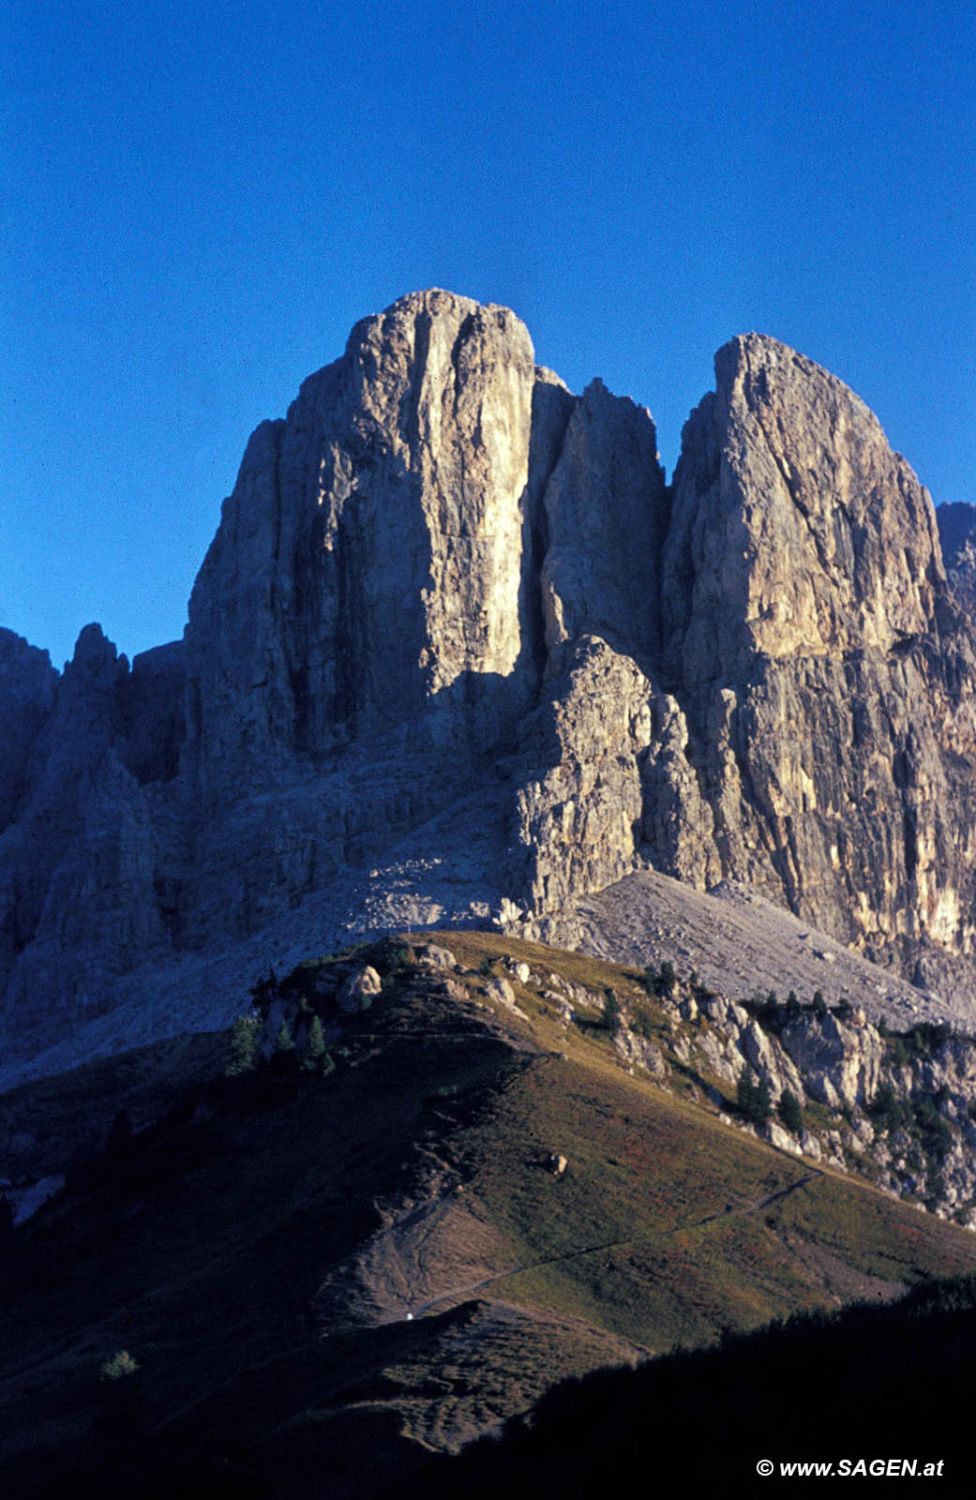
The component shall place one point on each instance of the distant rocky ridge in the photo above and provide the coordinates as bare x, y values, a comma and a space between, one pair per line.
458, 653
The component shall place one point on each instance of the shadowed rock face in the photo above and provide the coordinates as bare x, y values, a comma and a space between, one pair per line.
458, 653
957, 530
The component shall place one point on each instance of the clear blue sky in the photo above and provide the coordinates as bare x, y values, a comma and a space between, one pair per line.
199, 199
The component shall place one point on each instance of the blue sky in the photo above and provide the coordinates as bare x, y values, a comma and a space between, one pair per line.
200, 199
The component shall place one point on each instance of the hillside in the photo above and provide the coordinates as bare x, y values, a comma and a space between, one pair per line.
311, 1267
876, 1393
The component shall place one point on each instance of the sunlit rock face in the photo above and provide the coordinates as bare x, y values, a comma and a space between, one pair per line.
796, 531
371, 562
458, 652
826, 680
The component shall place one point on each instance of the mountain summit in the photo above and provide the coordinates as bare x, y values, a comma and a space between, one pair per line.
458, 654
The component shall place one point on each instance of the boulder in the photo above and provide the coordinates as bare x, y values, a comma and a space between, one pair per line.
359, 990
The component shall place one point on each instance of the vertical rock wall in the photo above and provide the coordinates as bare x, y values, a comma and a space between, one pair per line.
442, 586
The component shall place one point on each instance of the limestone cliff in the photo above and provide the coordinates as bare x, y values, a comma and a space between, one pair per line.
459, 653
826, 679
371, 560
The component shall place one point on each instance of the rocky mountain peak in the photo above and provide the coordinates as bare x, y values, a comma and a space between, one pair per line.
458, 653
794, 519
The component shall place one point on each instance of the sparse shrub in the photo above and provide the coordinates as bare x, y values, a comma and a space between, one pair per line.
928, 1035
888, 1111
934, 1131
242, 1048
790, 1112
119, 1366
485, 967
660, 981
935, 1187
643, 1026
898, 1049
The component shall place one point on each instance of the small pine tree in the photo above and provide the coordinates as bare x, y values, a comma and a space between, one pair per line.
284, 1059
753, 1100
611, 1013
284, 1041
314, 1051
768, 1009
242, 1049
790, 1112
792, 1004
819, 1005
764, 1101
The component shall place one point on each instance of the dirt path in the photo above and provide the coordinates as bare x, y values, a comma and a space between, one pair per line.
755, 1208
730, 1211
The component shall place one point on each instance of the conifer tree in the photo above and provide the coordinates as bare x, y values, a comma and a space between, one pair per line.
612, 1019
242, 1049
314, 1051
753, 1099
790, 1112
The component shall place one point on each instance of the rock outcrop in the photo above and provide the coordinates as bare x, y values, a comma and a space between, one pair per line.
458, 653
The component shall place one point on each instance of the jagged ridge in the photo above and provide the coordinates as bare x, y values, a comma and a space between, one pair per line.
454, 623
